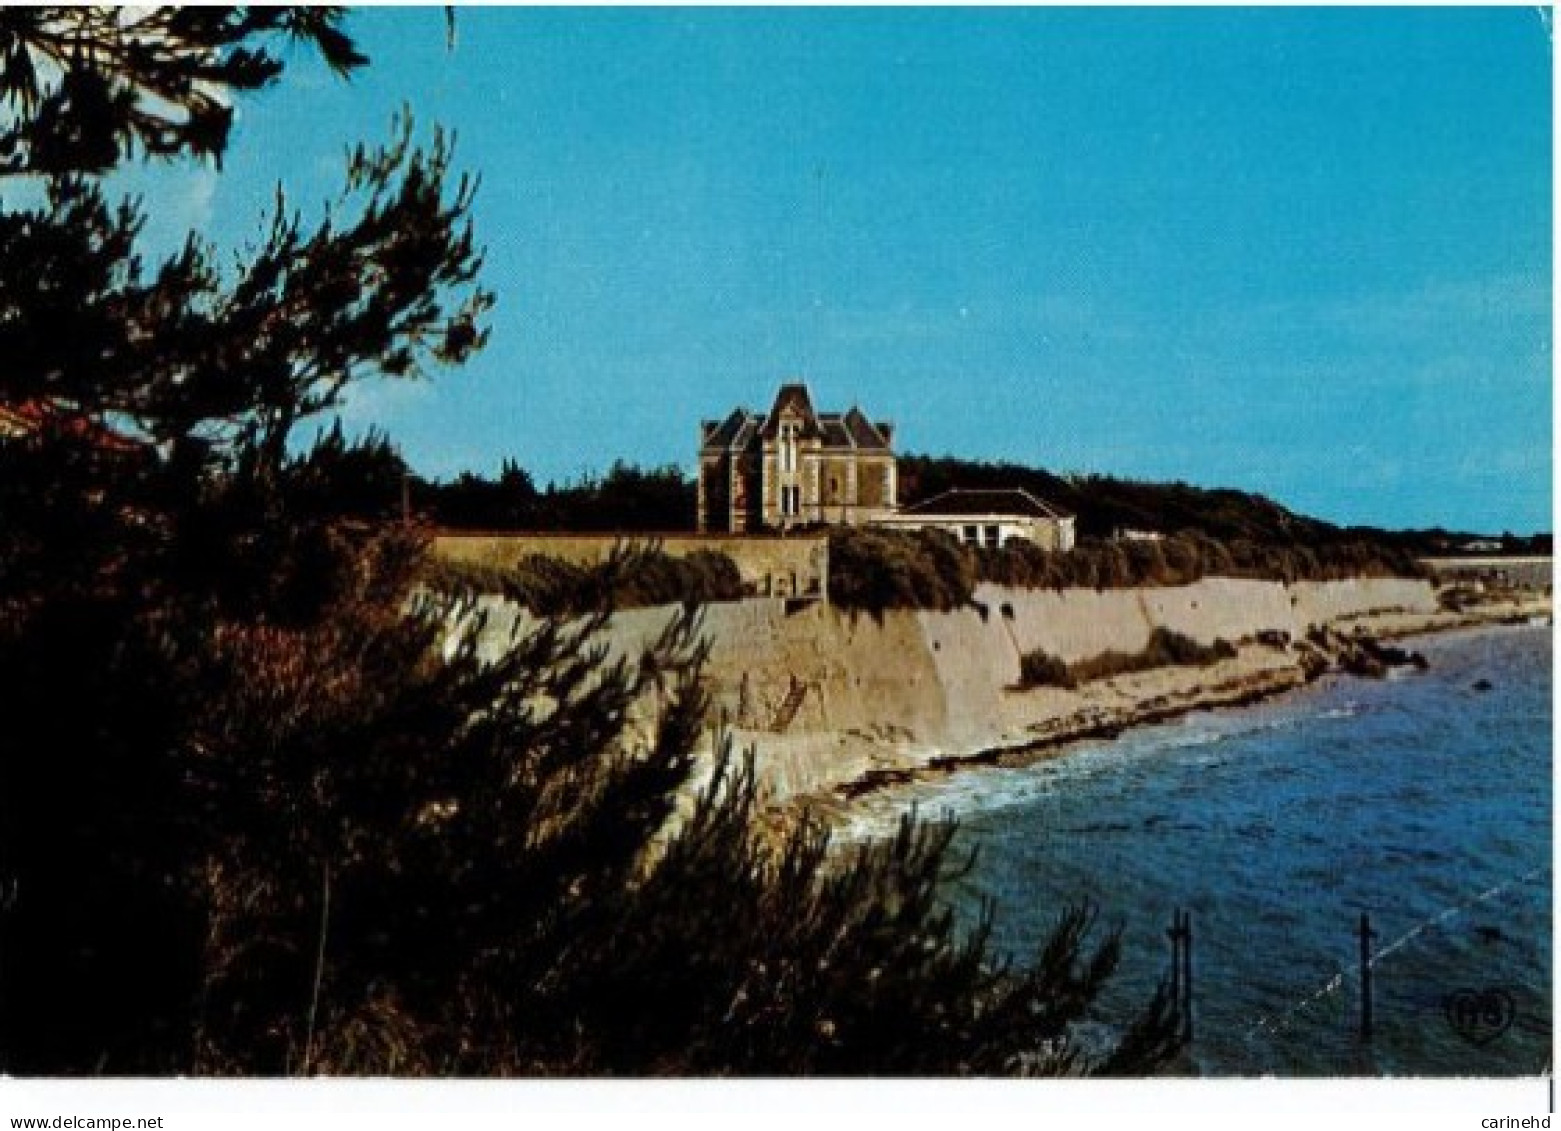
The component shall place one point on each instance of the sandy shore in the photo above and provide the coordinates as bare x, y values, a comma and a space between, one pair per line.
844, 768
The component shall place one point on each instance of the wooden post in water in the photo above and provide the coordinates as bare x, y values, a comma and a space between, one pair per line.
1366, 935
1187, 976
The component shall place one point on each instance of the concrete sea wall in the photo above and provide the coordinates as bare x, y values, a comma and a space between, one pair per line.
811, 685
1076, 624
940, 676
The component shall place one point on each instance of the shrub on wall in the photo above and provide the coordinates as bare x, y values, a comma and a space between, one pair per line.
629, 578
875, 569
1042, 669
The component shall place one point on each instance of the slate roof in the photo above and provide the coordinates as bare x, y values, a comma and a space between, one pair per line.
836, 431
1006, 501
727, 431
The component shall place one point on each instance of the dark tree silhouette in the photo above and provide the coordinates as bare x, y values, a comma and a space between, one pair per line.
150, 507
627, 499
92, 85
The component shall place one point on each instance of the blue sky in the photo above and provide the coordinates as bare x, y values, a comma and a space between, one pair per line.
1300, 252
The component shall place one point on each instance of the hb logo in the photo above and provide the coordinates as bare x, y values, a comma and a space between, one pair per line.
1479, 1016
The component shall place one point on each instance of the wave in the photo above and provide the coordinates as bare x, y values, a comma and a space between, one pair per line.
978, 790
990, 790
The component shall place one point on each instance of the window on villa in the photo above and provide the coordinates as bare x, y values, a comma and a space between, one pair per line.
971, 536
994, 537
788, 446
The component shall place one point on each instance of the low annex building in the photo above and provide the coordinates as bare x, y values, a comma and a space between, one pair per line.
990, 518
794, 466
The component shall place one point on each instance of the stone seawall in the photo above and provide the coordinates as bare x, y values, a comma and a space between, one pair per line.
934, 683
939, 674
826, 697
1075, 624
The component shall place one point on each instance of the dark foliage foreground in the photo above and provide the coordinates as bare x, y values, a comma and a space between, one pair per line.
1186, 557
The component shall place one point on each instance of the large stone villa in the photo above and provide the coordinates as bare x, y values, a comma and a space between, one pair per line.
793, 466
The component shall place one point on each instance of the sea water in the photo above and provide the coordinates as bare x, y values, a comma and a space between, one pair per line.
1422, 800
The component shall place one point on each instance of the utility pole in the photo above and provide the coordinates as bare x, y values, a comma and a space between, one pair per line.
1187, 976
1180, 934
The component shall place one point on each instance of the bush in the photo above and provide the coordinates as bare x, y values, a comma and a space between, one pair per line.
631, 577
1168, 648
1182, 559
874, 569
1042, 669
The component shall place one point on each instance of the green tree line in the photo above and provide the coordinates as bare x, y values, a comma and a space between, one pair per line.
369, 477
1106, 504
